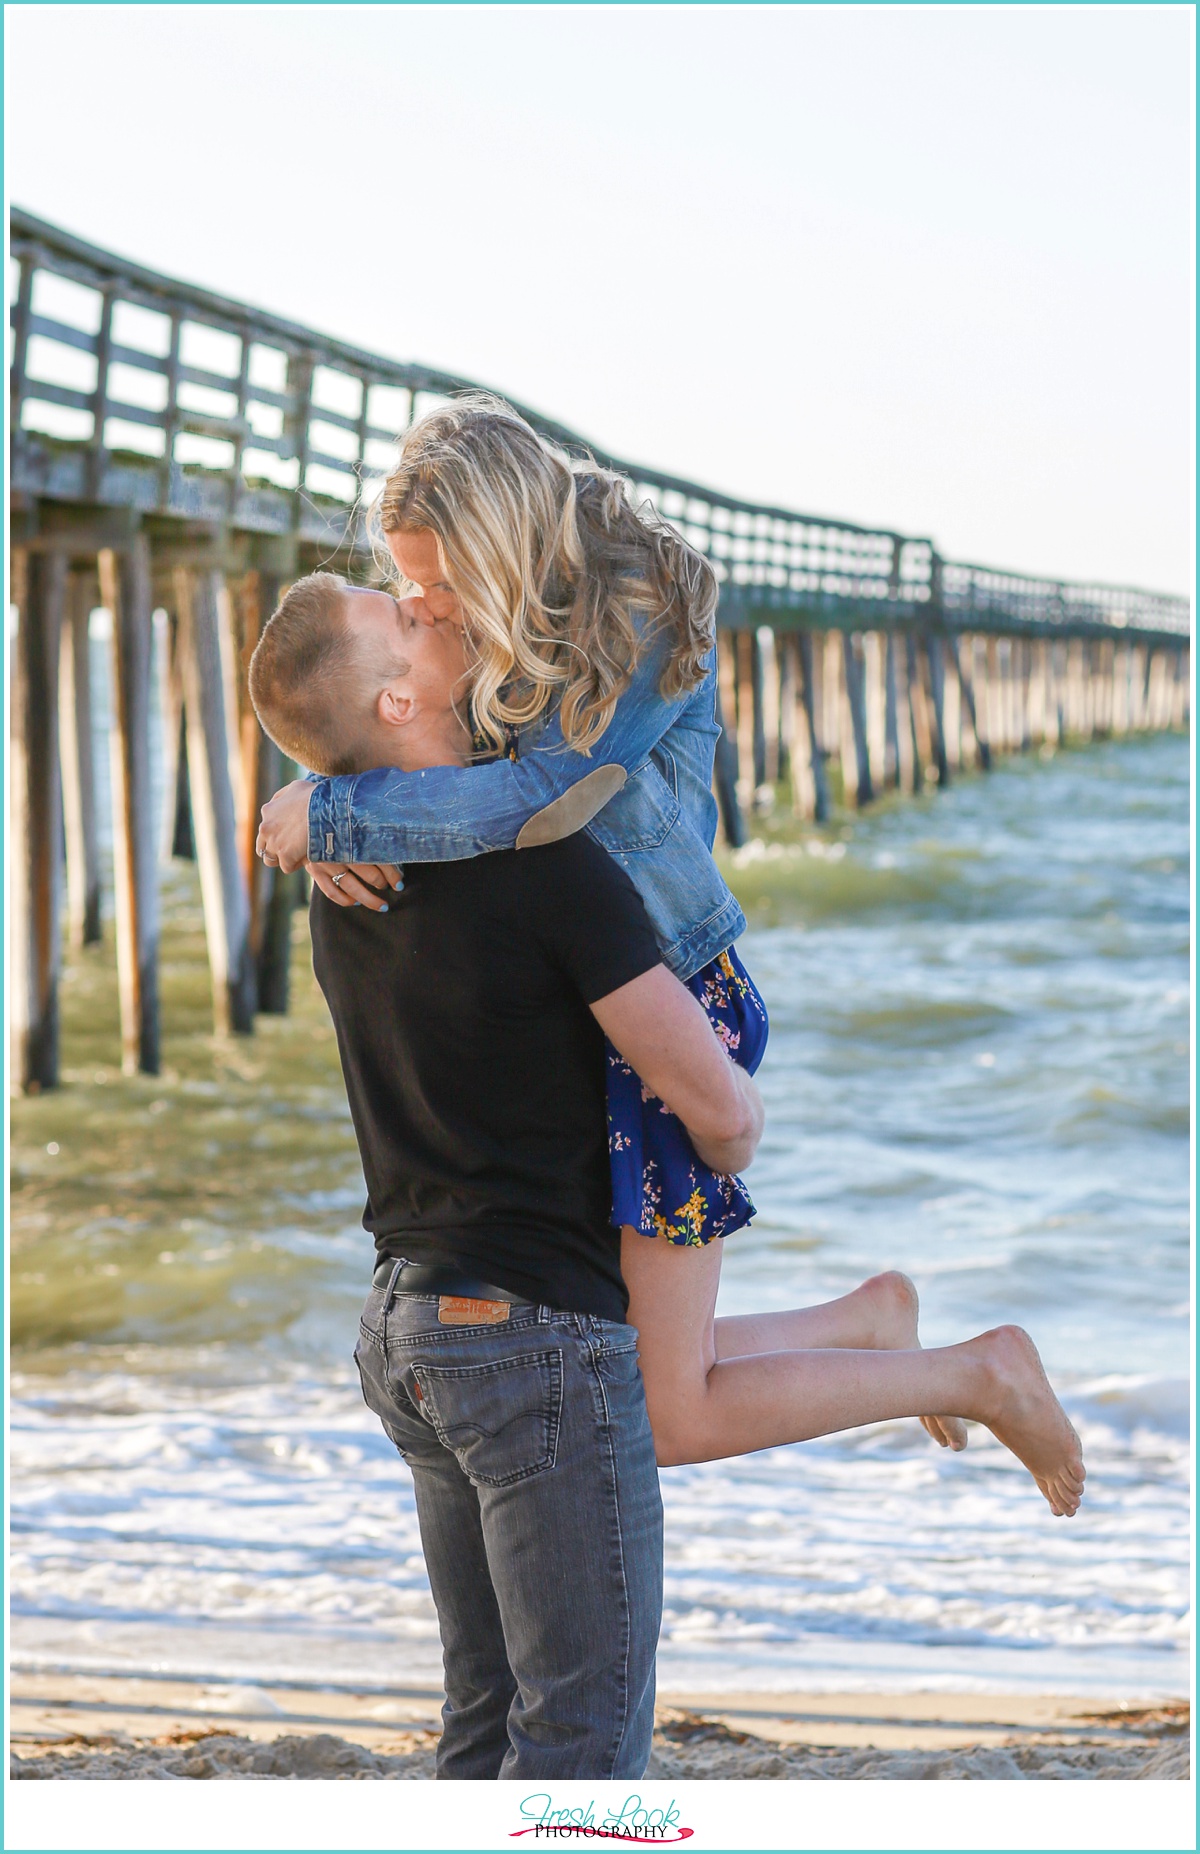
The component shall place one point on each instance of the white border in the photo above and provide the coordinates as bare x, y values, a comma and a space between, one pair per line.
468, 1816
722, 1814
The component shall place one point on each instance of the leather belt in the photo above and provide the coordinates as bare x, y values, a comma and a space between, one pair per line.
438, 1278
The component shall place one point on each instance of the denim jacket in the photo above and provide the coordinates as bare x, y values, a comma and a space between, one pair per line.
660, 826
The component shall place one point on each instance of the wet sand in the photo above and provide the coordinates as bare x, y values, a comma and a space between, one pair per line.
85, 1726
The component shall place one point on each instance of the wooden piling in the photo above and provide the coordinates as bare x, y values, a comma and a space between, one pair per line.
1102, 673
908, 772
768, 654
1146, 720
232, 674
952, 707
991, 694
1076, 696
1116, 661
758, 691
975, 694
1143, 687
39, 592
727, 694
1087, 690
812, 705
125, 590
847, 751
222, 886
168, 722
829, 671
970, 749
1163, 712
1166, 689
744, 684
1057, 664
892, 776
726, 759
786, 697
1185, 678
1120, 691
1155, 666
725, 777
1008, 685
1020, 696
77, 752
918, 719
1076, 716
183, 834
796, 748
1037, 691
1094, 684
1097, 652
873, 675
261, 773
934, 684
1178, 716
1024, 678
860, 790
1008, 708
1066, 692
177, 835
1166, 701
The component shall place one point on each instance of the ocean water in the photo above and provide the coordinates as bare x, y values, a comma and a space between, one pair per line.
978, 1071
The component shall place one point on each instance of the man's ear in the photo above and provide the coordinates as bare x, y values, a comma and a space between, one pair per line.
395, 706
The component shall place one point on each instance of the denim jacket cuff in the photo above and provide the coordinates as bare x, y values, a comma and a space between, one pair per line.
330, 824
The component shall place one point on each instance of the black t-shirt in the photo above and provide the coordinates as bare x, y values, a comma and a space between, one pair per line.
475, 1069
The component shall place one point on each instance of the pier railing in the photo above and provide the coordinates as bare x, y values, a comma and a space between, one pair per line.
132, 390
177, 457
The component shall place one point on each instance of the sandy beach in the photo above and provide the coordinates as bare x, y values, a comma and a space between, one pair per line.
95, 1726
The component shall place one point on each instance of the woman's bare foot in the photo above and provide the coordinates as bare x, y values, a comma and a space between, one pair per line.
896, 1306
1022, 1411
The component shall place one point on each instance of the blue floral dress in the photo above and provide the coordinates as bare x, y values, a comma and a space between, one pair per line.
660, 1187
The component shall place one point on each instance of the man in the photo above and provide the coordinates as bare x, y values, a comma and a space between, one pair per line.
470, 1016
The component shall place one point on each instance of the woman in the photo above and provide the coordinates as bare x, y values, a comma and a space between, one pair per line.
590, 629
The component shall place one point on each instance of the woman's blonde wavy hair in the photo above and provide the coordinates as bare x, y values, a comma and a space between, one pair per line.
550, 563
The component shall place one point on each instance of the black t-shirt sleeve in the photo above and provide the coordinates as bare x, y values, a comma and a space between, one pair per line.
589, 916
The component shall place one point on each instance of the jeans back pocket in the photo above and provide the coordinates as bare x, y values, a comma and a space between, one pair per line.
501, 1419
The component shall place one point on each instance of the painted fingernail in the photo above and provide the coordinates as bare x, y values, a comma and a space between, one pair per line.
383, 908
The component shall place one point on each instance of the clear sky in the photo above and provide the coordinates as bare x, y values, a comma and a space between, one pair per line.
930, 268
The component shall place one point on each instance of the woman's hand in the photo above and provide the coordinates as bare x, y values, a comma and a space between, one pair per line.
353, 884
282, 840
283, 844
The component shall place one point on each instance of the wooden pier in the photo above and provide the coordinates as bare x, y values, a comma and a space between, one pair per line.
179, 458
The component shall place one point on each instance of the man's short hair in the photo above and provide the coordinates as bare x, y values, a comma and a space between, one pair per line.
314, 680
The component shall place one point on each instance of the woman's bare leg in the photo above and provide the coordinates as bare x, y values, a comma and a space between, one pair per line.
705, 1408
879, 1316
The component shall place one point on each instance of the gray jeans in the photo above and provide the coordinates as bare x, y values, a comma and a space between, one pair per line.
541, 1520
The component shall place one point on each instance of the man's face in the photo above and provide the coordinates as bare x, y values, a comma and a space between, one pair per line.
434, 653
